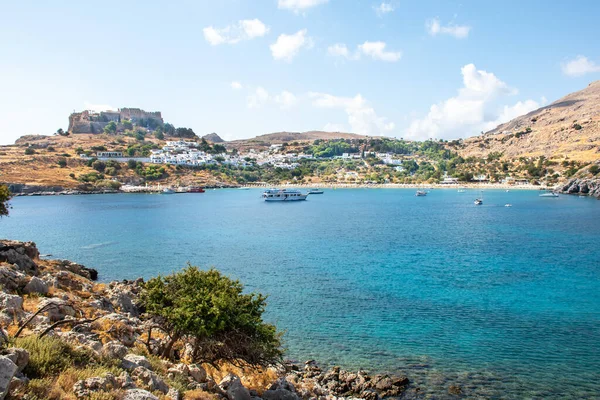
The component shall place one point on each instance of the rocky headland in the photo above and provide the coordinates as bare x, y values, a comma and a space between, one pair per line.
65, 336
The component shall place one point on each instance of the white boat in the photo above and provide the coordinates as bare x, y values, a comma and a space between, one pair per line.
244, 188
167, 191
508, 205
421, 193
461, 190
549, 194
479, 201
315, 191
283, 195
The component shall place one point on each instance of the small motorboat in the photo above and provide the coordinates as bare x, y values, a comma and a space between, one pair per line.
315, 191
244, 188
421, 193
478, 202
508, 205
167, 191
195, 189
549, 194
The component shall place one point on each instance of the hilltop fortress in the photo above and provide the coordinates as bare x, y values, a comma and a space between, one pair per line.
94, 122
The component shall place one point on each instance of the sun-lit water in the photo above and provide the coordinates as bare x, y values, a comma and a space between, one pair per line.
502, 301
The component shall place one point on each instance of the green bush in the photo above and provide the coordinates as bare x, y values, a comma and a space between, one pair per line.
62, 162
29, 151
4, 198
594, 169
577, 127
211, 312
50, 355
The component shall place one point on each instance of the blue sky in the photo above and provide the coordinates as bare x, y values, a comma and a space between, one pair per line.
411, 69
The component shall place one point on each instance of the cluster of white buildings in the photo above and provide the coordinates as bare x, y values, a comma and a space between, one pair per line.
186, 153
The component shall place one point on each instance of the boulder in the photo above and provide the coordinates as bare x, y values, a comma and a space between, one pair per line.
178, 370
232, 385
36, 285
11, 280
280, 394
114, 350
122, 297
132, 361
78, 269
58, 310
11, 301
198, 373
8, 369
20, 253
84, 388
139, 394
20, 357
174, 394
125, 381
150, 380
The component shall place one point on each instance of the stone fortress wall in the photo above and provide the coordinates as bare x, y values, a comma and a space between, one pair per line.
94, 122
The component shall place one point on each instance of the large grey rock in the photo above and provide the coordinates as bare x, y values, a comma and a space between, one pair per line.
36, 285
19, 356
174, 394
232, 385
10, 301
132, 361
11, 280
121, 296
114, 350
279, 394
58, 309
8, 369
198, 373
20, 253
84, 388
150, 380
139, 394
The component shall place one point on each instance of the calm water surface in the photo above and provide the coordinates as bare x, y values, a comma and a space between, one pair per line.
502, 301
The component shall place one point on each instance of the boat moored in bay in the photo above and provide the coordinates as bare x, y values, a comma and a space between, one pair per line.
283, 195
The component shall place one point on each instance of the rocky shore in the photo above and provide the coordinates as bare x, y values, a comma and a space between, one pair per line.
57, 304
582, 186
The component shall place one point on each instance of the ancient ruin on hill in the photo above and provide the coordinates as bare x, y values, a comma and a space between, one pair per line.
94, 122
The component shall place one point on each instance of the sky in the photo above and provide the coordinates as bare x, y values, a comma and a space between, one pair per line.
409, 69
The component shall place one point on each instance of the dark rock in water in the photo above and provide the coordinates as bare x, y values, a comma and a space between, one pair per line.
81, 270
455, 390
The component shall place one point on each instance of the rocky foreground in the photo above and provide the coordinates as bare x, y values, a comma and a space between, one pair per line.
63, 336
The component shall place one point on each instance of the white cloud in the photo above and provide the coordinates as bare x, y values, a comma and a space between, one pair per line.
434, 27
298, 6
98, 107
383, 9
244, 30
258, 98
376, 50
473, 110
362, 118
286, 47
580, 66
285, 100
236, 85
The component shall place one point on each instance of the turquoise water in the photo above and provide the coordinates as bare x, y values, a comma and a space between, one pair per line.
502, 301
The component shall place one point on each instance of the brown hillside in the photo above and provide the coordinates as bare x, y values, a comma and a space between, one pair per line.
289, 137
568, 127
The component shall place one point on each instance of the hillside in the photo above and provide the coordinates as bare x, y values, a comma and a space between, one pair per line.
213, 138
289, 137
568, 127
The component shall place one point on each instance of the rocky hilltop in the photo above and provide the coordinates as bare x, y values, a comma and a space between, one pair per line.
568, 127
64, 336
213, 138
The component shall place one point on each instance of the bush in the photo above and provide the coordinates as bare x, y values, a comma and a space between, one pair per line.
577, 127
4, 198
594, 169
211, 312
62, 163
99, 166
29, 151
49, 355
131, 164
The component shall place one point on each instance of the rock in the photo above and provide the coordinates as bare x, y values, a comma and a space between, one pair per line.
8, 369
11, 301
114, 350
369, 395
174, 394
149, 379
20, 357
383, 383
11, 280
178, 370
455, 390
125, 381
102, 304
78, 269
132, 361
36, 285
279, 394
139, 394
282, 383
121, 294
58, 310
198, 373
232, 385
401, 381
20, 253
84, 388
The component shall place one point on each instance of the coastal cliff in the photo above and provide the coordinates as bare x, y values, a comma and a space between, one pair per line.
64, 336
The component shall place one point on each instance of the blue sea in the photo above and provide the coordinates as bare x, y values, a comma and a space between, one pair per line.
502, 301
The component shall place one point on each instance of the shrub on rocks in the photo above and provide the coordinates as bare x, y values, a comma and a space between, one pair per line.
211, 312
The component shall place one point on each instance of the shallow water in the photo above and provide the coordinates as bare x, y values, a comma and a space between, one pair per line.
502, 301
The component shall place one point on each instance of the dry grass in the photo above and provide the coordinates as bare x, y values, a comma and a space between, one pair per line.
109, 330
253, 378
198, 395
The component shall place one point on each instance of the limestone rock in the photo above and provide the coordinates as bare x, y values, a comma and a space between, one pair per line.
11, 280
122, 297
132, 361
58, 310
125, 381
149, 379
8, 369
20, 253
11, 301
36, 285
139, 394
232, 385
84, 388
20, 357
198, 373
174, 394
114, 350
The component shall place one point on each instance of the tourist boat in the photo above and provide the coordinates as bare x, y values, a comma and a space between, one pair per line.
478, 202
461, 190
315, 191
167, 191
195, 189
508, 205
421, 193
549, 194
283, 195
244, 188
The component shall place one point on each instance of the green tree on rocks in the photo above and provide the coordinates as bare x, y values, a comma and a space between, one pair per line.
210, 312
4, 198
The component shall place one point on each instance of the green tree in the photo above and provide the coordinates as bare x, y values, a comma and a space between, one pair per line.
159, 135
210, 311
62, 162
127, 124
111, 128
4, 198
131, 164
29, 151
